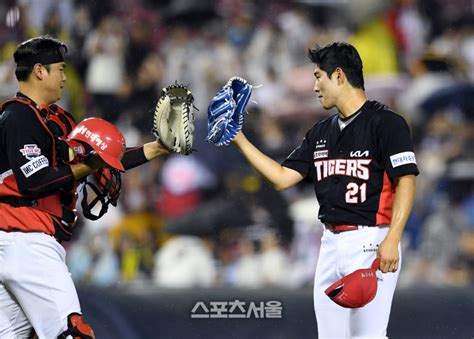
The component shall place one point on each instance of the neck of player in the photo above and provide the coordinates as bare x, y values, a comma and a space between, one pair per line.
351, 100
34, 93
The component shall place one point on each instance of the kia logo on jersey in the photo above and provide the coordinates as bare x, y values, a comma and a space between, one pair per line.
359, 154
30, 151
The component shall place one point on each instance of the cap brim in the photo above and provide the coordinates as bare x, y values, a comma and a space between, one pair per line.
111, 161
333, 290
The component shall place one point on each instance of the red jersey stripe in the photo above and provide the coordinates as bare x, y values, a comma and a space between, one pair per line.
384, 213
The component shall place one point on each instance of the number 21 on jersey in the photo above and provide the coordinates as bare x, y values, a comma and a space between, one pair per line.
356, 193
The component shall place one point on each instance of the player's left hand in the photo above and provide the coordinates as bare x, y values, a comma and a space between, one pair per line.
160, 148
173, 119
389, 256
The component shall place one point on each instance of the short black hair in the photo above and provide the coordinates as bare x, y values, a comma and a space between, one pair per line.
342, 55
42, 49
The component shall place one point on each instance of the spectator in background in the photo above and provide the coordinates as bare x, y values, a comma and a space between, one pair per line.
7, 70
458, 42
39, 12
275, 262
304, 250
438, 262
409, 29
185, 261
92, 261
139, 233
430, 72
184, 180
105, 48
374, 38
81, 28
138, 88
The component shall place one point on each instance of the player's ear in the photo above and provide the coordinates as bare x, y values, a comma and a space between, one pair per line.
340, 76
38, 71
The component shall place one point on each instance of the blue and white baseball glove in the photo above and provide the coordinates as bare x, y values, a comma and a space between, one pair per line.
225, 114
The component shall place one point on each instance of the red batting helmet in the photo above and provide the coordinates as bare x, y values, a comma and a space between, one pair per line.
356, 289
104, 138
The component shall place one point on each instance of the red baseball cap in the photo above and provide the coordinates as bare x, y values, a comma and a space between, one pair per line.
356, 289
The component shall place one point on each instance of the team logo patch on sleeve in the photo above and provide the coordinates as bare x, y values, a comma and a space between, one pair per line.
403, 158
33, 166
30, 151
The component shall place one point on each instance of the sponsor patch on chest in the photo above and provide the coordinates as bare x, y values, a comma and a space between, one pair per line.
320, 154
33, 166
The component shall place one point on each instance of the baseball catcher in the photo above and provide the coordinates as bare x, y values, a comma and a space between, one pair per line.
226, 111
44, 157
173, 121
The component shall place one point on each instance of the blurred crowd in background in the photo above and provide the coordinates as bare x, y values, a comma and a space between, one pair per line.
208, 219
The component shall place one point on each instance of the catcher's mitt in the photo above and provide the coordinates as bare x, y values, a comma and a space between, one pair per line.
173, 121
226, 111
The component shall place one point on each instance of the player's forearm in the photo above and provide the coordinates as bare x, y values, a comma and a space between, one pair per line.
279, 176
137, 156
83, 169
402, 206
154, 149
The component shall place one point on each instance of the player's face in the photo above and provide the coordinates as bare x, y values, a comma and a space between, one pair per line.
54, 81
326, 88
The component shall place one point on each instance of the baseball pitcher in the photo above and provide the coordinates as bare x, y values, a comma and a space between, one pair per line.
362, 166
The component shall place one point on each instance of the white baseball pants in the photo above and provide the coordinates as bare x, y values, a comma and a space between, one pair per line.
340, 255
36, 288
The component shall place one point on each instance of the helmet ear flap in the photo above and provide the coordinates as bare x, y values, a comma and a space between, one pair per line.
102, 186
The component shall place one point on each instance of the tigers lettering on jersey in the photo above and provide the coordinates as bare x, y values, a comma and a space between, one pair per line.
357, 168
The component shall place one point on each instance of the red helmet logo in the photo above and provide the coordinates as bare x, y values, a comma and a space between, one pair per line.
104, 138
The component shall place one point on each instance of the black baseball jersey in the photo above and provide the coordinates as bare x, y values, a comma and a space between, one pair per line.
26, 150
353, 170
32, 168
